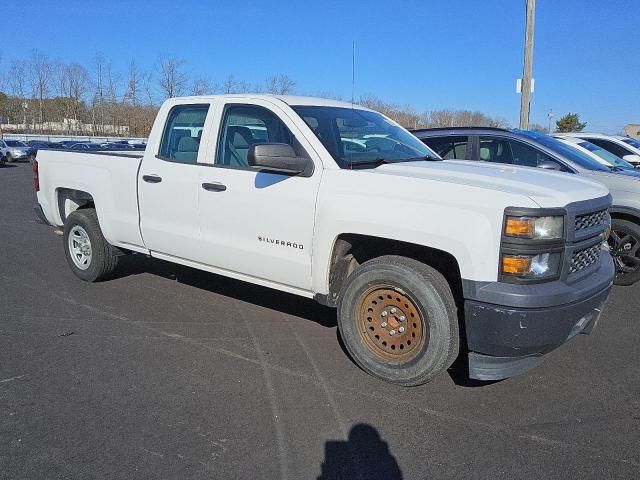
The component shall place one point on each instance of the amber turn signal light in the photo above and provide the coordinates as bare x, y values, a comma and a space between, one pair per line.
520, 227
514, 265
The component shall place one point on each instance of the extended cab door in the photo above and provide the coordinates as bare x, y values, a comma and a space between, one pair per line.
256, 222
169, 183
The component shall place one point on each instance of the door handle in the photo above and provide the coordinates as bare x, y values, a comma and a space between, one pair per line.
214, 187
152, 178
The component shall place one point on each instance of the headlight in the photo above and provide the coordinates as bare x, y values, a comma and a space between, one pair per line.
534, 267
535, 228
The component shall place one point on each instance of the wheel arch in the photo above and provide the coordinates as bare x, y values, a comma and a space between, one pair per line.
352, 249
69, 200
625, 213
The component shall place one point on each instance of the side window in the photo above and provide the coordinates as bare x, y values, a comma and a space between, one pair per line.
246, 125
495, 150
610, 147
452, 147
182, 133
528, 156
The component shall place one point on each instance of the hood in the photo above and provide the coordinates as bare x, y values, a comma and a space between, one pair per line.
622, 181
546, 188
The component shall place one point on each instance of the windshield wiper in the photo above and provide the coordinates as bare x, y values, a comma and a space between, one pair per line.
427, 158
376, 162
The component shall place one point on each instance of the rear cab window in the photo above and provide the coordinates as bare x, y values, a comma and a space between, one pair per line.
182, 133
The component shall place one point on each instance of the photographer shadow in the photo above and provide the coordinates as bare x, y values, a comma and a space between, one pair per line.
364, 456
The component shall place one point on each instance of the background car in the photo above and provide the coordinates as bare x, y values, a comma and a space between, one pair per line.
15, 150
624, 147
86, 146
532, 149
596, 152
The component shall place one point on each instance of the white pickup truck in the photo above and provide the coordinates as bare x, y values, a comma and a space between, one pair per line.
425, 260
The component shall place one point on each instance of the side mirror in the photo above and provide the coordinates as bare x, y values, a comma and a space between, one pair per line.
279, 157
549, 165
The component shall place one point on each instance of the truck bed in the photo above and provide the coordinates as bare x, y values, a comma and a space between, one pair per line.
109, 179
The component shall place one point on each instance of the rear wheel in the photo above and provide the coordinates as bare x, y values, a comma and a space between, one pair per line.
88, 253
624, 243
398, 320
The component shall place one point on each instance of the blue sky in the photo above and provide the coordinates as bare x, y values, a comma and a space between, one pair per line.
429, 54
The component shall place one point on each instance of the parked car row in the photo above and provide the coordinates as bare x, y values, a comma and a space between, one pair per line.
17, 150
593, 156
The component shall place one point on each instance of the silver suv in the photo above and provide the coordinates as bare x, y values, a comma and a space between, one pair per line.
532, 149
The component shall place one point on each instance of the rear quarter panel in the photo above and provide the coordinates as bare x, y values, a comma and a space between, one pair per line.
110, 179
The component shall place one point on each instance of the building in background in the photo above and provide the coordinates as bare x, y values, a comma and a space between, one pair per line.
632, 130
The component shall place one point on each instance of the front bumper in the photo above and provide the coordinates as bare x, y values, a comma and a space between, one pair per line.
506, 340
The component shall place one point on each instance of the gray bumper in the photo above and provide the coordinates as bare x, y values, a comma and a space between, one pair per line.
510, 338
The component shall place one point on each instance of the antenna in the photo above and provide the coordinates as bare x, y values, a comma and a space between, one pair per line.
353, 88
353, 73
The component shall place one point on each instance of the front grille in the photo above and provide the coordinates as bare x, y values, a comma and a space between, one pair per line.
584, 258
592, 219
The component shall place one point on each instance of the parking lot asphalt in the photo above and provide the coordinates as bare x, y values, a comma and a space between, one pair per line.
169, 372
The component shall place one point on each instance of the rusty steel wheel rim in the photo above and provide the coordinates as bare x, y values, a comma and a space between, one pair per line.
390, 324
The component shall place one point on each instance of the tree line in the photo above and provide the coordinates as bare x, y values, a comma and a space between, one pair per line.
39, 94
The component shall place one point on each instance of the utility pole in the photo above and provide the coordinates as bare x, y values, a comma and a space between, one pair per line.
525, 101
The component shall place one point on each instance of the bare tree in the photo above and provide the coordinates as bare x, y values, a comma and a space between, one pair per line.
231, 85
202, 86
78, 78
132, 93
40, 74
97, 107
18, 88
280, 85
172, 80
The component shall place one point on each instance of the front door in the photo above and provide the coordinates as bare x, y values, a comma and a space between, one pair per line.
252, 221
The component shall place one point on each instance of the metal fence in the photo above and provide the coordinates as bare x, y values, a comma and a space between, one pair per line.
58, 138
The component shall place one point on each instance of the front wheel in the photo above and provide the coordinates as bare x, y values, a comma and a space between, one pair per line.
88, 253
398, 320
624, 244
8, 158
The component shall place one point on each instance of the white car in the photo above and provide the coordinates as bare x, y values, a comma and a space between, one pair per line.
388, 233
624, 147
596, 152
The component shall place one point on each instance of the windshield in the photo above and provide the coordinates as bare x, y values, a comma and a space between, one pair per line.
15, 143
354, 136
632, 141
605, 155
579, 158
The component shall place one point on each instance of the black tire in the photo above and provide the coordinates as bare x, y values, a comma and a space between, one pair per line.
8, 158
103, 258
427, 291
624, 242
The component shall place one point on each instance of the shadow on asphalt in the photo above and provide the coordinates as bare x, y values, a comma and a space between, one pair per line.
228, 287
363, 456
290, 304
